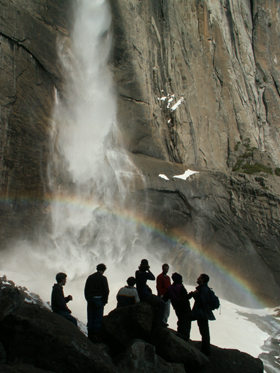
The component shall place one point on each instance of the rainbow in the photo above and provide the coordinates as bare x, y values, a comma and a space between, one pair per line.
174, 239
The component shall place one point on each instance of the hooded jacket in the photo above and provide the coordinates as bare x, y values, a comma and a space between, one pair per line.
58, 301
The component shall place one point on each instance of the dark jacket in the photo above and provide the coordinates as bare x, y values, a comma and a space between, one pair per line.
58, 301
141, 278
97, 286
179, 297
201, 308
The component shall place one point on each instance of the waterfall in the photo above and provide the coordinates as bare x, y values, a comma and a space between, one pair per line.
90, 177
90, 174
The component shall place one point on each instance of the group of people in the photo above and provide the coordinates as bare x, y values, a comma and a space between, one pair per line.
97, 292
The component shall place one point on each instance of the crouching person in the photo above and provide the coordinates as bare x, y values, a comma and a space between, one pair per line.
58, 301
128, 295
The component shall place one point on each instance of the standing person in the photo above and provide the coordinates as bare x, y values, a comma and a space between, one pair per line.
58, 301
202, 311
128, 295
163, 283
145, 293
180, 301
96, 294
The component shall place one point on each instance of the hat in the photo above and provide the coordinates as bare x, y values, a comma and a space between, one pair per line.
144, 262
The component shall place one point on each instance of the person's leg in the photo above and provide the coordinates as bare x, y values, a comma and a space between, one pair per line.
97, 315
184, 323
166, 311
68, 317
203, 326
90, 311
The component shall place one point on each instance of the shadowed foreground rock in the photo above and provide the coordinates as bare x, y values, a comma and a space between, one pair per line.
35, 340
122, 325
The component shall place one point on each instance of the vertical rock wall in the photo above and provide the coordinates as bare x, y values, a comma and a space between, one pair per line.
220, 60
30, 71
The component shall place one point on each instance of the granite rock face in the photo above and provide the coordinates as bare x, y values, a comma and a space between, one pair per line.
218, 60
30, 73
198, 87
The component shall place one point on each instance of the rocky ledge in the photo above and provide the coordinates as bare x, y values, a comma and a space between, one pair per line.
34, 340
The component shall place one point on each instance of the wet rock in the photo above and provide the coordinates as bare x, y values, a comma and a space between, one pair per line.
175, 349
226, 360
32, 334
141, 357
122, 325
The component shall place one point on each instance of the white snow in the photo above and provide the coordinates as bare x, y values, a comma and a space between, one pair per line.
174, 107
163, 176
187, 174
30, 301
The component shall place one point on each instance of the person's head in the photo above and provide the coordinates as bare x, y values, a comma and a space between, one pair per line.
131, 281
101, 268
177, 278
61, 278
203, 279
144, 265
165, 268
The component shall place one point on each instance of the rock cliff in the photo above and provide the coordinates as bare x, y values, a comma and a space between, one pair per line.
198, 87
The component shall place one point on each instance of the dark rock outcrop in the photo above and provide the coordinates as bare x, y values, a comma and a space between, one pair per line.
141, 357
33, 339
219, 61
32, 334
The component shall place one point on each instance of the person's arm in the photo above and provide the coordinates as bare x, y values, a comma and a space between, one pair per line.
150, 276
160, 286
67, 299
59, 300
136, 296
185, 294
105, 290
205, 295
197, 298
166, 296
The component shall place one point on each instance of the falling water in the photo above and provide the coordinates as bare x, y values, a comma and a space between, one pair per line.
90, 175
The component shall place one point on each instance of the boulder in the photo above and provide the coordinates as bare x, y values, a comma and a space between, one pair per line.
141, 357
22, 368
230, 361
32, 334
175, 349
124, 324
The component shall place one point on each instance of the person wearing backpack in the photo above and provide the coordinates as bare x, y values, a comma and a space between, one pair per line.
202, 311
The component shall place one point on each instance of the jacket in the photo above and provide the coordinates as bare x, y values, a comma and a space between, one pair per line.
141, 278
126, 296
97, 286
201, 308
163, 282
58, 301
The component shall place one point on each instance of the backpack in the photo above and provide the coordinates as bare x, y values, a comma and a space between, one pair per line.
214, 301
